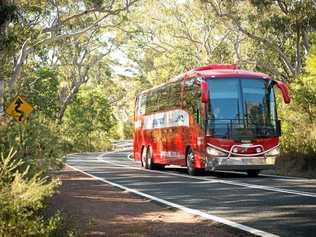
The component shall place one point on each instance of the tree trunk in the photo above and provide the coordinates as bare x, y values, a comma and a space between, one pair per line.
68, 99
3, 32
1, 90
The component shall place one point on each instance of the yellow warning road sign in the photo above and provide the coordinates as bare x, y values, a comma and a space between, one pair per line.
19, 109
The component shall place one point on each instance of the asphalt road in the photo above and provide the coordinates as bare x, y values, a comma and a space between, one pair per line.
263, 205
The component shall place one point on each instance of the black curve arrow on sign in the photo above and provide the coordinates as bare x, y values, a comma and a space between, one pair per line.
18, 103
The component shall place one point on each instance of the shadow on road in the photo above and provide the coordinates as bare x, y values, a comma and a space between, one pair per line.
92, 208
214, 174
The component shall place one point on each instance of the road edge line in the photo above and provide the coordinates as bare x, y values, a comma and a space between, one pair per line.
234, 183
180, 207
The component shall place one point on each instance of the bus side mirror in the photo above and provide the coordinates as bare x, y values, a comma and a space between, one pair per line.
284, 90
278, 128
204, 92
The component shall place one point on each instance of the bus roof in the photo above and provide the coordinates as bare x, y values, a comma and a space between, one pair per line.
232, 73
226, 70
215, 71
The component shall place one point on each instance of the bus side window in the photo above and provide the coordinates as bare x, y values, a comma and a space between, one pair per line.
151, 103
163, 99
136, 106
174, 100
141, 105
192, 98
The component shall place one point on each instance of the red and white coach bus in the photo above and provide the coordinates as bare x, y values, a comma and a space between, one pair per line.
214, 117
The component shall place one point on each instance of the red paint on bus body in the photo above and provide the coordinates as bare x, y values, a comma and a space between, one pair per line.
169, 145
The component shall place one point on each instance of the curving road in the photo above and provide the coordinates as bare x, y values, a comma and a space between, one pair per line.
264, 206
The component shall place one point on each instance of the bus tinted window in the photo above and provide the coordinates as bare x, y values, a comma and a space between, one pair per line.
174, 96
163, 100
151, 102
141, 105
192, 94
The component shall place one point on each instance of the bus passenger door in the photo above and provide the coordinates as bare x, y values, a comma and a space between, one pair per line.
194, 135
177, 119
136, 131
138, 137
161, 133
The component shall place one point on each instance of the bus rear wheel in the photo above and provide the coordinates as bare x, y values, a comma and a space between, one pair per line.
147, 159
143, 160
253, 173
192, 170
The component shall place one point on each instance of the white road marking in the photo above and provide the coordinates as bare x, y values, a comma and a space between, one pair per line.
287, 177
183, 208
236, 172
253, 186
269, 175
263, 175
130, 147
130, 157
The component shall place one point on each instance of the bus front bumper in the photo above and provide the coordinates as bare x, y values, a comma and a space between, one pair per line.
240, 163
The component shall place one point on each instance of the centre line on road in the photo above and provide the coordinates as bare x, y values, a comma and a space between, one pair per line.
183, 208
253, 186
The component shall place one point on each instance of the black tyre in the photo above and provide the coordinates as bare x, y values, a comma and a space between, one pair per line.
253, 173
149, 164
144, 158
192, 170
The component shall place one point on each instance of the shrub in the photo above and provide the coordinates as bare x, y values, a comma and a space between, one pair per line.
299, 117
22, 201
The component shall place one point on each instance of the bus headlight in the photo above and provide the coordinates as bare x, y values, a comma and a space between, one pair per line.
274, 152
214, 152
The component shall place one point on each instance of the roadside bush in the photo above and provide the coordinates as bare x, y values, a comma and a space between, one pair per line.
299, 125
37, 143
89, 120
22, 201
299, 117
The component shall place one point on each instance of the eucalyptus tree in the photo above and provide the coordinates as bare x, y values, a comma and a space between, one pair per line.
166, 38
89, 120
7, 14
280, 31
34, 25
77, 62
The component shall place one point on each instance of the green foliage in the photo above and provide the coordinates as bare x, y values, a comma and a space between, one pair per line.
163, 39
22, 199
124, 130
8, 168
94, 3
37, 143
55, 58
7, 13
89, 120
41, 89
128, 128
299, 117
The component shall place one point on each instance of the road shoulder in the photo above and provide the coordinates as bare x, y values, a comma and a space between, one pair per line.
94, 208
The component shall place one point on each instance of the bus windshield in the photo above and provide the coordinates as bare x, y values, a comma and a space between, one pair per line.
241, 108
